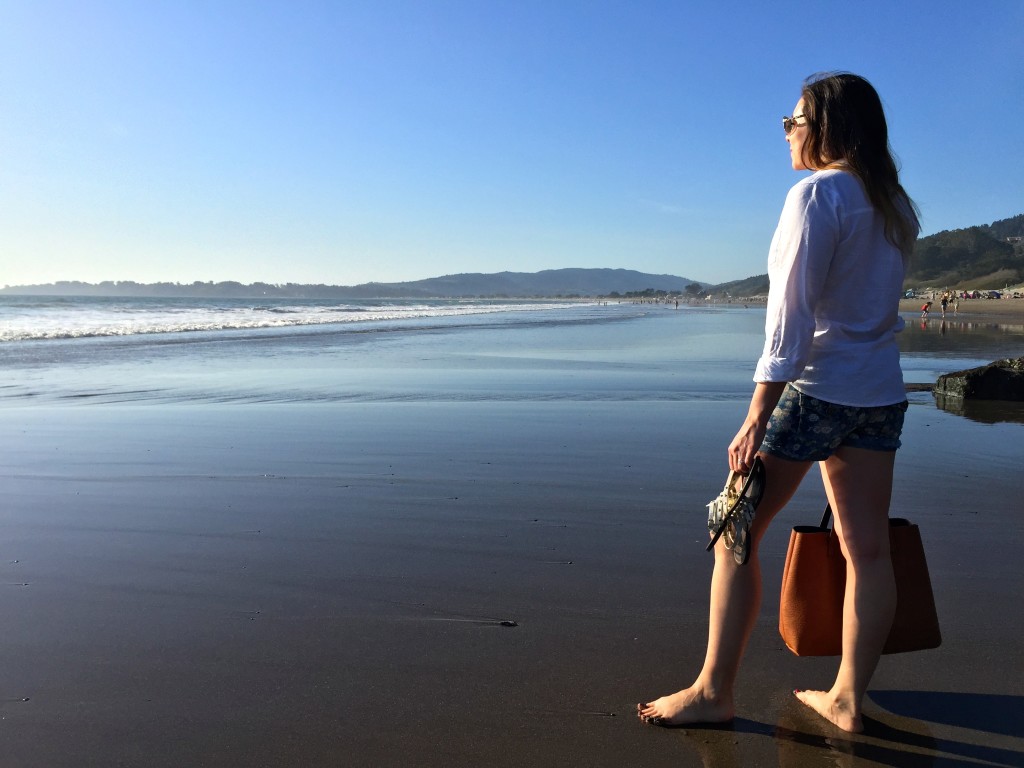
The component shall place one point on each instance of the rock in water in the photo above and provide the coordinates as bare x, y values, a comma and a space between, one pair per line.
1001, 380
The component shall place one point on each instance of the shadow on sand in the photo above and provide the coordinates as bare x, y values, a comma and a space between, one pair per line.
803, 740
988, 712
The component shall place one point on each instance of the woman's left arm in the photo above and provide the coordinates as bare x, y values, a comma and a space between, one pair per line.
802, 251
744, 446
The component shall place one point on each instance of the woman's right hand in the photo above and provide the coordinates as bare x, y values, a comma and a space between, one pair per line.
745, 445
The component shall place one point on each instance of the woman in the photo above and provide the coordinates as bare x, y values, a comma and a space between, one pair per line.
828, 389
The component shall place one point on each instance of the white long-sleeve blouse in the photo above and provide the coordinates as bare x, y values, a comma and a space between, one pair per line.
833, 303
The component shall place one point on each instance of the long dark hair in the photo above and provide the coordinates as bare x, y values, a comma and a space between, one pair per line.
846, 124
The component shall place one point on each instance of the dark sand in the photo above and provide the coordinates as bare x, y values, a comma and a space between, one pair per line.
325, 585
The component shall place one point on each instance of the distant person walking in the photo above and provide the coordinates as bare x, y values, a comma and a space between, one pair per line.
829, 390
944, 302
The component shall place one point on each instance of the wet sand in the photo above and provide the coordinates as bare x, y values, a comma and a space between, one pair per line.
438, 584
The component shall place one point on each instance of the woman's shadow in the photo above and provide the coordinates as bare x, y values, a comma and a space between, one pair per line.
989, 712
800, 734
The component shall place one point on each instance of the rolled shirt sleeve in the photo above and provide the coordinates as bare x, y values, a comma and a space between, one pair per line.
798, 265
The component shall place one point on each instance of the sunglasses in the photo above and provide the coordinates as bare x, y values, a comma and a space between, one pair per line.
789, 123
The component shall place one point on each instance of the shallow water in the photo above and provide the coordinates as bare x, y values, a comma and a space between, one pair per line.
933, 347
578, 352
586, 353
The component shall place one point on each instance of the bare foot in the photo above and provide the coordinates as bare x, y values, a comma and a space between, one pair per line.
687, 707
837, 711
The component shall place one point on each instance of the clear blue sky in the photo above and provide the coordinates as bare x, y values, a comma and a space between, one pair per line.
386, 140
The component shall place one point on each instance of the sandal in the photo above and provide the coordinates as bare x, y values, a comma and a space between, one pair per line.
732, 512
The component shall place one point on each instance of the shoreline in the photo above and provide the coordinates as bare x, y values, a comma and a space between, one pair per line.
998, 310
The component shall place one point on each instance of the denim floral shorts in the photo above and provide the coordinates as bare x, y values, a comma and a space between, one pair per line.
804, 428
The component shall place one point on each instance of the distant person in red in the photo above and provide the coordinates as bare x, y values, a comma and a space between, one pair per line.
925, 309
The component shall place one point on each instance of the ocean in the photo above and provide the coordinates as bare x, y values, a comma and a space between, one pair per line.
28, 318
71, 350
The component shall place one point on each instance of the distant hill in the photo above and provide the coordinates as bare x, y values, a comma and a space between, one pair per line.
751, 286
548, 283
985, 256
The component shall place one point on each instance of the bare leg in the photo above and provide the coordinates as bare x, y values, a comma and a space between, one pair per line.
859, 486
735, 602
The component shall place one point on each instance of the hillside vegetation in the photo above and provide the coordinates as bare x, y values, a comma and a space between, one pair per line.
976, 257
982, 257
